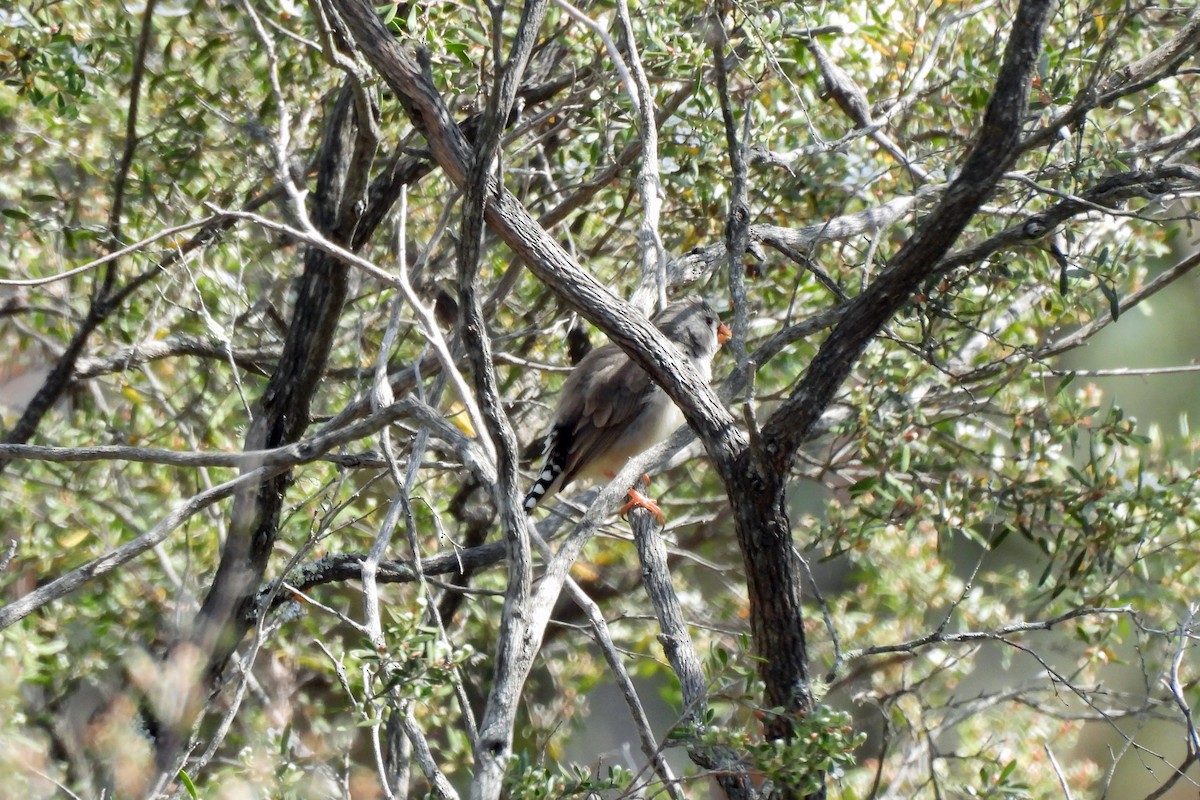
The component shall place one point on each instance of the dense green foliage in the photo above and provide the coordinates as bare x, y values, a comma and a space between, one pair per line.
1003, 562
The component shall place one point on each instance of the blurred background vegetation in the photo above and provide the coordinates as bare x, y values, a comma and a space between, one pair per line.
972, 476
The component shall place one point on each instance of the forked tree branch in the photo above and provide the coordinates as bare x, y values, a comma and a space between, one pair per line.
996, 148
755, 483
517, 644
282, 414
400, 66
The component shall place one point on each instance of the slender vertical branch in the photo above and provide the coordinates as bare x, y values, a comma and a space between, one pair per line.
676, 642
653, 282
996, 146
515, 646
282, 416
737, 221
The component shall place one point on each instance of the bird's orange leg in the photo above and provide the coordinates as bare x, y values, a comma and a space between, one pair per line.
638, 500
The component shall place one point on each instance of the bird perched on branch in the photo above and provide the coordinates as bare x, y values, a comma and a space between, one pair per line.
610, 410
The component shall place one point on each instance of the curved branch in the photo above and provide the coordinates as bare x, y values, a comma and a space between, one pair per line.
1152, 68
314, 448
256, 360
700, 262
283, 413
408, 76
60, 587
1080, 336
996, 147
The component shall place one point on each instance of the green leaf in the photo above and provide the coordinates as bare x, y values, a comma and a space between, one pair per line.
386, 12
460, 50
1114, 302
188, 785
864, 485
1067, 380
1078, 475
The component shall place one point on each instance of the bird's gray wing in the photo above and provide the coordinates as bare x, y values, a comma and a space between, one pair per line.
606, 397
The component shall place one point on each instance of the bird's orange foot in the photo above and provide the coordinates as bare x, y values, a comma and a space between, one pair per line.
636, 500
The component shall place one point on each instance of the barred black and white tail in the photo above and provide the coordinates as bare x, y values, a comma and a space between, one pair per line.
549, 480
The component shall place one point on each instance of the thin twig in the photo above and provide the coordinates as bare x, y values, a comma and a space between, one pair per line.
141, 244
653, 282
60, 587
603, 638
999, 634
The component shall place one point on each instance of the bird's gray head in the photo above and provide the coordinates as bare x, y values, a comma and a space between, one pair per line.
693, 326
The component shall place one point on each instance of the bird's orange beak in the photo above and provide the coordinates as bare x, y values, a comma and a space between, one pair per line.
723, 333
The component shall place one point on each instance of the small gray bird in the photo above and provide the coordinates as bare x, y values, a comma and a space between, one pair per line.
609, 410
